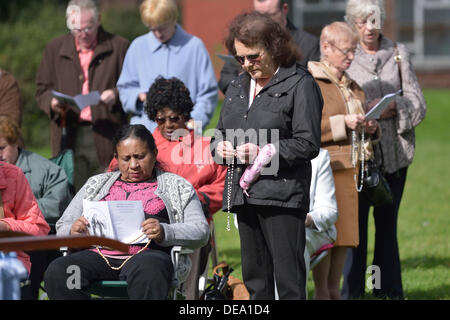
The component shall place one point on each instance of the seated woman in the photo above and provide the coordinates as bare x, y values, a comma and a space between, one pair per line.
48, 181
50, 186
19, 210
173, 215
185, 154
182, 152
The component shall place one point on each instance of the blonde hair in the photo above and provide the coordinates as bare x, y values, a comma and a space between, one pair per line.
336, 32
9, 130
157, 12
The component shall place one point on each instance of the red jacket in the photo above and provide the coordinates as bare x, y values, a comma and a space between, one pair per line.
193, 162
20, 207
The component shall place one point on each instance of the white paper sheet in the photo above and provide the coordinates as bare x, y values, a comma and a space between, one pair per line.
376, 111
119, 220
127, 217
80, 101
97, 214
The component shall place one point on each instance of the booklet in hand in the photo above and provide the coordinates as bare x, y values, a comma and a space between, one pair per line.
376, 111
79, 101
118, 220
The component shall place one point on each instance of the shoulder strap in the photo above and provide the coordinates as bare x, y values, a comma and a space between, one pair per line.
398, 60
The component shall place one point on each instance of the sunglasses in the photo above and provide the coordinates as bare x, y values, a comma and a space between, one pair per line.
163, 120
252, 58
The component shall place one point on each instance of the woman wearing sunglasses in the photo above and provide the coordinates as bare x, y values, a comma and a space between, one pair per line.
280, 103
182, 152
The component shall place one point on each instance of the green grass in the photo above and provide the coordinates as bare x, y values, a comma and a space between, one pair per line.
424, 217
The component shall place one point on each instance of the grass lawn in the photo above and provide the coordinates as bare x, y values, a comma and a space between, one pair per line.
424, 218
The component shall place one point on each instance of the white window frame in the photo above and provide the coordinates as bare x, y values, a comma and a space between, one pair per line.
323, 5
421, 61
417, 46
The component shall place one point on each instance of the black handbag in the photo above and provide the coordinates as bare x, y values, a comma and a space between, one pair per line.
375, 188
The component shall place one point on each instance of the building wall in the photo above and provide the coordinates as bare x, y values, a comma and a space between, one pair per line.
208, 19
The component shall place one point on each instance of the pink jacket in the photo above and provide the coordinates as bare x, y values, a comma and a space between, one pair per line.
192, 161
190, 158
20, 207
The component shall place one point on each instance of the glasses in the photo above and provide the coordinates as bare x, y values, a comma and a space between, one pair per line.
252, 58
344, 52
84, 30
163, 120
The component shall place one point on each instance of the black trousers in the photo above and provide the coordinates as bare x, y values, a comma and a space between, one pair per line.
148, 274
272, 246
386, 252
39, 263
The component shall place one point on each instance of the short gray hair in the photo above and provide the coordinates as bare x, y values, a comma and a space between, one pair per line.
83, 4
363, 9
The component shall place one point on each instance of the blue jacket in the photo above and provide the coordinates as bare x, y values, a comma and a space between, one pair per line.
184, 57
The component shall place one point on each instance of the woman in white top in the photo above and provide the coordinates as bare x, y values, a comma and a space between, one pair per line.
320, 220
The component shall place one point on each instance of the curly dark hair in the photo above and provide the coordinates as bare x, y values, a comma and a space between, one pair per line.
254, 28
171, 93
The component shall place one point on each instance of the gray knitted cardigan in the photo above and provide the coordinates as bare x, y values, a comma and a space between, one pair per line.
188, 226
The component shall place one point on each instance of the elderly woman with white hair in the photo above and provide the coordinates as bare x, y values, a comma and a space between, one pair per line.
344, 129
382, 66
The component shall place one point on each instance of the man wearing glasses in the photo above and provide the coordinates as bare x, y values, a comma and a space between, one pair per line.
278, 11
84, 60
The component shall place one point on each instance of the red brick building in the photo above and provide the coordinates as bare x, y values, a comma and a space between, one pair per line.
424, 26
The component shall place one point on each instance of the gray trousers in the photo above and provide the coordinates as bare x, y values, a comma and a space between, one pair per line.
85, 157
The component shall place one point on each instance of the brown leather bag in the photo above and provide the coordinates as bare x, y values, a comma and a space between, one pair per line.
235, 288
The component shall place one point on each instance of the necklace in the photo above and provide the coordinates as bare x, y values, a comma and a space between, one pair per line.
126, 260
355, 146
229, 189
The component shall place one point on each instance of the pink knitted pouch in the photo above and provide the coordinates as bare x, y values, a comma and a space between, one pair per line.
253, 171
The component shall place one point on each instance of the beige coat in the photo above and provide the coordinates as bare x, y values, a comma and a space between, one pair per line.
336, 138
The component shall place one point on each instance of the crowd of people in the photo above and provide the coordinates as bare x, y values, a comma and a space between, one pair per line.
142, 141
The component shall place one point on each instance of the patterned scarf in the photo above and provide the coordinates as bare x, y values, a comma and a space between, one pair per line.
354, 106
